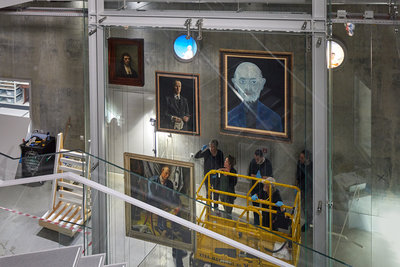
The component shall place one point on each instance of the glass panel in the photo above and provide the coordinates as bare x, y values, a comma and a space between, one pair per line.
298, 6
138, 236
46, 47
85, 48
137, 121
162, 255
27, 225
364, 146
31, 165
132, 232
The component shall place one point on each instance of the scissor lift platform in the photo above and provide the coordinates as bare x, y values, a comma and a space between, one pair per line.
264, 239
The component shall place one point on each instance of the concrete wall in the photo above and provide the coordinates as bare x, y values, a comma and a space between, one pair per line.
373, 59
49, 51
136, 105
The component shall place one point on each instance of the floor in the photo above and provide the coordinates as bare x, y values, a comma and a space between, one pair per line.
370, 240
22, 233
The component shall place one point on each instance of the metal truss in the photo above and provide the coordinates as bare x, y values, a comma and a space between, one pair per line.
217, 20
368, 21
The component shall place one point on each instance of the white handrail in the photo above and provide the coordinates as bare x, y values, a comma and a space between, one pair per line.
145, 206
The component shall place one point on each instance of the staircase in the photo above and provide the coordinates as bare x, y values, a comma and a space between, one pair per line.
60, 257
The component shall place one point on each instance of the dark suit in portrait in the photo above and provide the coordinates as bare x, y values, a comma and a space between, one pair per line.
176, 107
125, 69
262, 117
176, 110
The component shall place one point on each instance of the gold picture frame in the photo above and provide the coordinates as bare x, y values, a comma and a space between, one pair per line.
256, 94
120, 49
189, 102
140, 183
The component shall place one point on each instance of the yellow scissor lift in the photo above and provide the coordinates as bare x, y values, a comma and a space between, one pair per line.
240, 229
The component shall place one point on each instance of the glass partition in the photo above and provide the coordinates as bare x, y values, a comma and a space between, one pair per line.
159, 240
21, 213
66, 206
298, 6
48, 81
139, 118
29, 223
364, 145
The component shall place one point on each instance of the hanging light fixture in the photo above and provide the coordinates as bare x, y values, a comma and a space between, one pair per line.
349, 28
185, 49
335, 54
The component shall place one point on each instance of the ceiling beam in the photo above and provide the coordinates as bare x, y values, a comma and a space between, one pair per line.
218, 20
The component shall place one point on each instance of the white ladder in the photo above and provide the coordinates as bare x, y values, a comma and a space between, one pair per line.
70, 207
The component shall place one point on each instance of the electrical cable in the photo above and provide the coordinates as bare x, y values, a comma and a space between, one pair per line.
275, 251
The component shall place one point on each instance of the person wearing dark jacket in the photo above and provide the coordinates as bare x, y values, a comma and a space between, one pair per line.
259, 167
304, 180
276, 197
227, 184
213, 160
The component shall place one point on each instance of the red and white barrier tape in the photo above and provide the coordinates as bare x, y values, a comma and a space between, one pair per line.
41, 219
90, 243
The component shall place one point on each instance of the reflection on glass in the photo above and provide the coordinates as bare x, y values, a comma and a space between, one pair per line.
362, 118
336, 57
349, 28
184, 48
14, 93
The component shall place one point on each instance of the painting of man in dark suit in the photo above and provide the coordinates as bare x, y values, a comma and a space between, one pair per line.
178, 102
177, 109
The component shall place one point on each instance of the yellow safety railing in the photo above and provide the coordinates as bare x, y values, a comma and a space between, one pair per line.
241, 224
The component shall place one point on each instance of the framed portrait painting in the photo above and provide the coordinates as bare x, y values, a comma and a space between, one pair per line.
256, 94
125, 61
165, 184
177, 102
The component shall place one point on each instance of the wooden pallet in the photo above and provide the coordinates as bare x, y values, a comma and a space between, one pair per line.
70, 208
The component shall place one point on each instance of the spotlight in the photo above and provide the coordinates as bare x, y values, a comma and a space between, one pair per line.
187, 25
199, 25
349, 28
368, 14
341, 14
